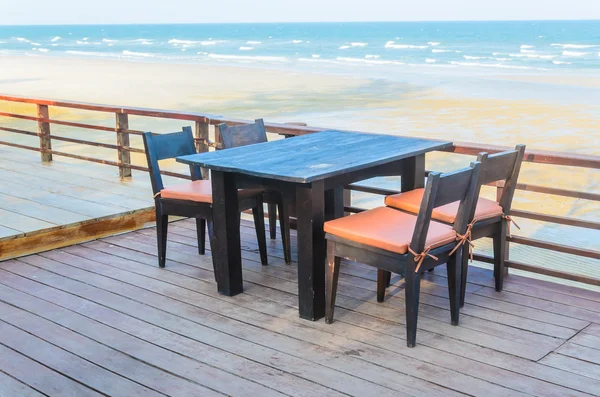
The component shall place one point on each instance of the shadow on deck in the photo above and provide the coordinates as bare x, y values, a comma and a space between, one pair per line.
101, 318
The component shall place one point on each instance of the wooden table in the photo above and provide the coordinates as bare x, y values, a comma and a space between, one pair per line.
310, 170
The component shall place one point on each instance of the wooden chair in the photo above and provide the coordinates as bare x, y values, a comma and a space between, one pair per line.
407, 244
249, 134
491, 217
192, 199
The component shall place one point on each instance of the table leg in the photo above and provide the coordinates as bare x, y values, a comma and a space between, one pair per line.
334, 203
413, 173
310, 213
226, 249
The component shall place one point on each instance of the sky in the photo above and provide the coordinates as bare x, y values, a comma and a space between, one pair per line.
50, 12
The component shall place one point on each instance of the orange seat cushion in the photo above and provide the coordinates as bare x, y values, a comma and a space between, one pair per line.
199, 191
388, 229
411, 202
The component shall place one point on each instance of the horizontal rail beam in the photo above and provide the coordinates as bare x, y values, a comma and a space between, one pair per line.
555, 219
109, 109
587, 253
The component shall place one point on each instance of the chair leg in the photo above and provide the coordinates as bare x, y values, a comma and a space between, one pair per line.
284, 226
331, 280
201, 232
272, 212
464, 263
259, 224
211, 239
383, 281
162, 224
499, 255
412, 290
454, 268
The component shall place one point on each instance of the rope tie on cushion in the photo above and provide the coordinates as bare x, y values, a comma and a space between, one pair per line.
419, 258
465, 239
510, 220
156, 195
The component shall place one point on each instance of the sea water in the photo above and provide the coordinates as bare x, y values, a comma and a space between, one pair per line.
374, 47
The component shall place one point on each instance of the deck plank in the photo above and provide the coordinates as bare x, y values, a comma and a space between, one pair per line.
122, 358
70, 365
10, 387
40, 377
573, 365
588, 340
580, 352
593, 329
172, 342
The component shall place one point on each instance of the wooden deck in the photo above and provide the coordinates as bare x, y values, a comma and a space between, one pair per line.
101, 318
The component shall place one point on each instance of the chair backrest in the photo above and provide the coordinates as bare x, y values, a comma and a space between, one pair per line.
167, 146
462, 185
242, 135
505, 167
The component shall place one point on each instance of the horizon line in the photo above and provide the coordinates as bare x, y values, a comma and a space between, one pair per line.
313, 22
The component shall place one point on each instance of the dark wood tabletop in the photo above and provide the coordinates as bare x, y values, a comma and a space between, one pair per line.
312, 157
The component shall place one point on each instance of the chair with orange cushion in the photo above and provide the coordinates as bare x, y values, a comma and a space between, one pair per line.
491, 217
192, 199
251, 134
407, 244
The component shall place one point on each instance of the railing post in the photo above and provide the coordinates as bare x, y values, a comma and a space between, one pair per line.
347, 200
201, 132
44, 131
122, 123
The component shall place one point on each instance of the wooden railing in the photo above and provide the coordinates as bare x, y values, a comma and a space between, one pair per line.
202, 123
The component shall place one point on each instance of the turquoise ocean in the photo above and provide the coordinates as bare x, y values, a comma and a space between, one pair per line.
340, 47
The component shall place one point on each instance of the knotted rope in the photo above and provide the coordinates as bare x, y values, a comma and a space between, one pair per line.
510, 220
419, 258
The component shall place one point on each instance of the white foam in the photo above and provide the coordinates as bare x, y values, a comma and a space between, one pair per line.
391, 44
249, 58
502, 59
297, 41
434, 50
575, 45
367, 61
492, 65
371, 56
528, 51
253, 42
109, 41
84, 39
42, 49
146, 43
244, 48
526, 46
137, 54
538, 56
82, 42
344, 47
359, 44
54, 45
316, 56
177, 41
429, 60
434, 43
36, 44
55, 39
561, 62
90, 53
208, 42
22, 39
574, 53
469, 57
